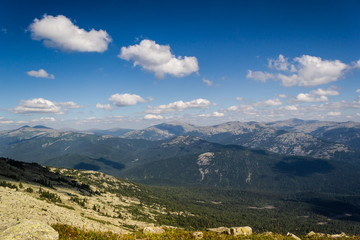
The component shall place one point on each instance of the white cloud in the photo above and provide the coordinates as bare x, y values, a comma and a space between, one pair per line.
357, 64
308, 97
37, 105
40, 74
152, 116
272, 102
214, 114
239, 99
242, 108
180, 106
6, 121
159, 59
60, 32
207, 82
126, 99
305, 71
282, 96
318, 95
69, 105
322, 92
291, 108
334, 113
358, 90
106, 107
259, 76
280, 64
44, 119
313, 71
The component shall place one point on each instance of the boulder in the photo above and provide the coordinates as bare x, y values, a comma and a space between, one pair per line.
198, 235
153, 230
312, 233
341, 235
241, 231
293, 236
28, 230
220, 230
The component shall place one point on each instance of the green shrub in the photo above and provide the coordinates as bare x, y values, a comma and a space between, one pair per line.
9, 185
79, 201
52, 197
29, 190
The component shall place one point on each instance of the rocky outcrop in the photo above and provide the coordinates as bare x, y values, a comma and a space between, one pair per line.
293, 236
314, 234
341, 235
29, 230
235, 231
153, 230
241, 231
198, 235
220, 230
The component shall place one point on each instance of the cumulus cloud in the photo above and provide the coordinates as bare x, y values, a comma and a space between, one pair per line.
159, 59
152, 117
6, 121
334, 113
358, 90
68, 105
306, 71
214, 114
180, 106
207, 82
41, 105
318, 95
281, 63
322, 92
44, 119
272, 102
37, 105
239, 99
41, 73
106, 107
291, 108
60, 32
308, 97
259, 76
357, 64
313, 71
126, 99
242, 108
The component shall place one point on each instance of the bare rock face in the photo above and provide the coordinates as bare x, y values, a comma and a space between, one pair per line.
220, 230
241, 231
198, 235
293, 236
29, 230
153, 230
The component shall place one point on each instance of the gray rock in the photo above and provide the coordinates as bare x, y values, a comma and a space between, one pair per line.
198, 235
293, 236
29, 230
153, 230
220, 230
341, 235
241, 231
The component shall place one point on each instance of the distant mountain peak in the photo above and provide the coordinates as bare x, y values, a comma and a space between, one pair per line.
182, 140
41, 127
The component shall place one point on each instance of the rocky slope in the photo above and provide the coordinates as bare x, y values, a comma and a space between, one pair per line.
84, 199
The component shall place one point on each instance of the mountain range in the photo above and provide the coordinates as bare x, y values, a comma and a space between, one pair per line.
285, 156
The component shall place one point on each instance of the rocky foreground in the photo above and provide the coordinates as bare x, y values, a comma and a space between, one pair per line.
33, 229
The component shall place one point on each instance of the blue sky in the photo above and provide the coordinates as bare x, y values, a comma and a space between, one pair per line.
132, 64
